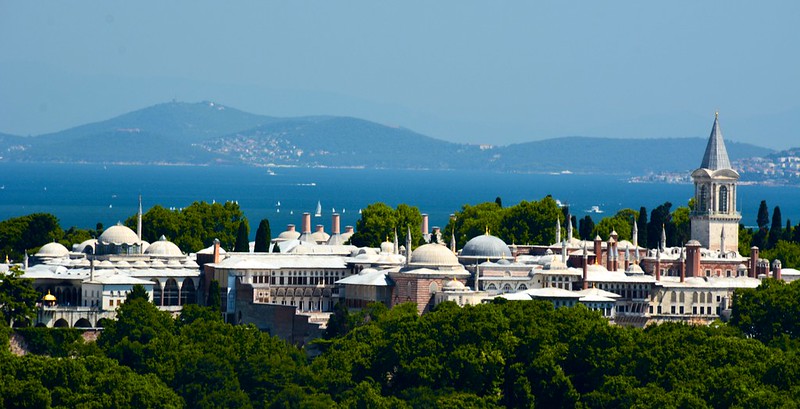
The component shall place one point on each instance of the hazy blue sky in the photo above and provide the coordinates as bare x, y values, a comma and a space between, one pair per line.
488, 72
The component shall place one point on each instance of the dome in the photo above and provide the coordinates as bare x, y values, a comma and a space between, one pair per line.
52, 250
387, 247
49, 297
433, 255
454, 285
486, 246
163, 247
290, 234
86, 246
634, 269
118, 234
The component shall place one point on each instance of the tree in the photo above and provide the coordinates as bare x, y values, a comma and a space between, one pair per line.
530, 222
379, 221
763, 215
620, 222
263, 236
776, 229
641, 224
683, 228
28, 232
472, 221
659, 218
243, 238
499, 202
137, 292
745, 240
214, 300
17, 297
768, 311
586, 227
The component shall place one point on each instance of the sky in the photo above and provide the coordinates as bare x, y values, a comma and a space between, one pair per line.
499, 72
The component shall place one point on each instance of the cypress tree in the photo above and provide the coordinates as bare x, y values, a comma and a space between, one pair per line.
776, 230
499, 202
263, 236
242, 238
213, 300
641, 224
585, 228
763, 215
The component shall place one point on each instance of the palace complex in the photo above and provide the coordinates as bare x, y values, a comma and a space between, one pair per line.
292, 293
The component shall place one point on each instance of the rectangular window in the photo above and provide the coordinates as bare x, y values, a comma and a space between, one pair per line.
682, 310
694, 310
672, 309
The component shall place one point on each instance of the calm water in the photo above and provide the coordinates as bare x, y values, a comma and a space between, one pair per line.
82, 195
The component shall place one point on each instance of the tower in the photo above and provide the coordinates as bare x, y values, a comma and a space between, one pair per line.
715, 183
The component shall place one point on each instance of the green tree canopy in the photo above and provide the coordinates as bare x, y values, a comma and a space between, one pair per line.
379, 221
17, 297
242, 237
263, 237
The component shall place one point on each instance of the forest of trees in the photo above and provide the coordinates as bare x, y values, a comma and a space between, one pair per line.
504, 354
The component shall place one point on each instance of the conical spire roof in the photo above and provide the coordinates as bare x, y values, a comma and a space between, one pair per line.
716, 156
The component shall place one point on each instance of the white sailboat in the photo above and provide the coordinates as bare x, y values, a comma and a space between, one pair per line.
318, 212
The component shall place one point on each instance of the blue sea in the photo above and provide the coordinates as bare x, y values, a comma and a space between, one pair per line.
83, 195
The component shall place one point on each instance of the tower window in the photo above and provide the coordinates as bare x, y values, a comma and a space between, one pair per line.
703, 198
723, 199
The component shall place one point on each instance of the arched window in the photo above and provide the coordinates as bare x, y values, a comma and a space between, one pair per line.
188, 292
507, 288
723, 200
703, 197
522, 287
171, 292
433, 288
156, 293
491, 287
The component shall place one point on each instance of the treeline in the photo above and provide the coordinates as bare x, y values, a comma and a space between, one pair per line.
191, 228
504, 354
776, 240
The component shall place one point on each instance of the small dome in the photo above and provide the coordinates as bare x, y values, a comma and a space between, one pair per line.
387, 247
291, 234
454, 285
105, 264
52, 250
634, 269
118, 234
163, 247
86, 246
49, 297
486, 246
434, 255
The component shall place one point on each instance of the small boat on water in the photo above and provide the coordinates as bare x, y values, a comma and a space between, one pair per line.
594, 209
318, 212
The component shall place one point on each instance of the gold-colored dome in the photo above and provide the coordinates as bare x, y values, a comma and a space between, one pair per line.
49, 297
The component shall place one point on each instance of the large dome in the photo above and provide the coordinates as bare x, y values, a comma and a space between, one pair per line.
118, 234
486, 246
52, 250
163, 247
434, 255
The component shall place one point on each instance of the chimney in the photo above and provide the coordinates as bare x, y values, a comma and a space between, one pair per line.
683, 265
216, 251
320, 228
424, 224
627, 257
693, 259
348, 229
776, 269
610, 254
306, 223
598, 250
289, 227
658, 265
335, 228
585, 268
753, 262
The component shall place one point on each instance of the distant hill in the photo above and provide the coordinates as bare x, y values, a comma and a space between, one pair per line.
209, 133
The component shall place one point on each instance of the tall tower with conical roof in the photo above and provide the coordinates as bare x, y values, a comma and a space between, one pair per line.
715, 184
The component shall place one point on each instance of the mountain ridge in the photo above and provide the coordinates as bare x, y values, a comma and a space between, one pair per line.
205, 133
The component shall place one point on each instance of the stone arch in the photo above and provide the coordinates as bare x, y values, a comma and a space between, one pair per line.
83, 323
188, 292
103, 322
433, 288
522, 287
507, 288
171, 293
281, 291
61, 323
308, 292
491, 287
317, 292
